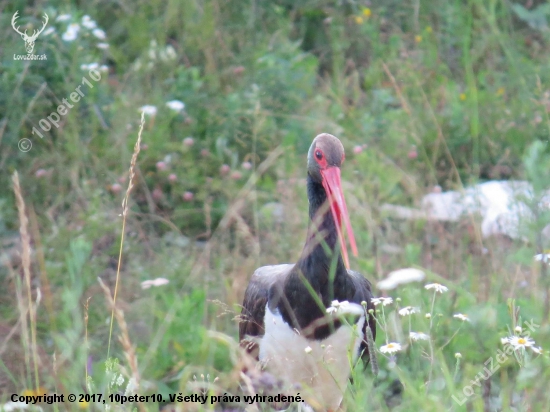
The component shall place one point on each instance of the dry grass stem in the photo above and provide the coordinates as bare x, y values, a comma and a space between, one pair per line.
41, 261
125, 210
26, 261
124, 339
86, 307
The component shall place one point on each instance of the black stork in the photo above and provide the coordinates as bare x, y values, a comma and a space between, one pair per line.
299, 319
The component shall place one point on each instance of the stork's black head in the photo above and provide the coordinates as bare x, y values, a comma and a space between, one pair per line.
325, 151
324, 159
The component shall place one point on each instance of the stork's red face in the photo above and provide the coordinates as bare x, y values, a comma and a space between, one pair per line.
325, 157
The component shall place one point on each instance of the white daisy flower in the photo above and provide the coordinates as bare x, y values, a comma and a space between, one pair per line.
308, 349
391, 347
90, 66
458, 355
176, 105
146, 284
100, 34
419, 336
88, 22
337, 306
169, 53
14, 406
401, 277
336, 303
63, 17
518, 329
103, 46
345, 308
504, 341
537, 350
72, 32
462, 317
49, 31
545, 257
383, 301
520, 342
136, 65
428, 315
69, 36
438, 287
407, 310
148, 109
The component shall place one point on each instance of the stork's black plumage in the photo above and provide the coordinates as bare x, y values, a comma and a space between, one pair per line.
284, 319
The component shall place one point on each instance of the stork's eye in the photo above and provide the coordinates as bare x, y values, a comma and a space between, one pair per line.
319, 154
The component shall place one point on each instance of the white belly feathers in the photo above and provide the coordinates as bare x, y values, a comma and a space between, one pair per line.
321, 367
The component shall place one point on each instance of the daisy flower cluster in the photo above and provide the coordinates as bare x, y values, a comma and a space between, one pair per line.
85, 27
150, 110
408, 311
519, 342
94, 66
154, 55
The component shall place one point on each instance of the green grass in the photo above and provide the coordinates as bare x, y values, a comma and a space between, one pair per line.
463, 85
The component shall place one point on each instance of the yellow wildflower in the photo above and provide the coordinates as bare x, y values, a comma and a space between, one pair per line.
462, 97
367, 12
358, 20
500, 91
83, 405
34, 392
418, 38
429, 29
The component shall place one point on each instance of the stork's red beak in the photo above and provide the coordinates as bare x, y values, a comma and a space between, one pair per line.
333, 188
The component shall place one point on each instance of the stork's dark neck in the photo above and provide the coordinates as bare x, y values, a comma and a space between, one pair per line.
298, 306
316, 258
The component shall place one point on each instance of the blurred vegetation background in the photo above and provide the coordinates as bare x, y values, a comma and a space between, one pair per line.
426, 96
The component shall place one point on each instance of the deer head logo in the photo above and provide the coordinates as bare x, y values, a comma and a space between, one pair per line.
29, 40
